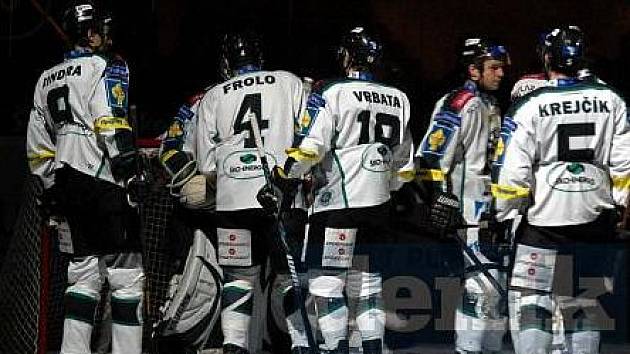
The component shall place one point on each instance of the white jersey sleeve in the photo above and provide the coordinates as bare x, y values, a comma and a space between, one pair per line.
40, 147
225, 142
564, 154
357, 129
178, 150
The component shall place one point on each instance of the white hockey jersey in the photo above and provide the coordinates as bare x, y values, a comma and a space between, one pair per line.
225, 142
84, 100
357, 131
567, 149
455, 154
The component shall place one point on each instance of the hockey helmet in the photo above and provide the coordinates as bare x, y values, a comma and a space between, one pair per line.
359, 49
82, 16
240, 50
476, 50
565, 48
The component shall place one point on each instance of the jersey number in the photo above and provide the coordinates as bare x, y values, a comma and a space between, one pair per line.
251, 105
383, 122
58, 105
565, 132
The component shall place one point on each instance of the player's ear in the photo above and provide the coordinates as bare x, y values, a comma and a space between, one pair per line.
473, 72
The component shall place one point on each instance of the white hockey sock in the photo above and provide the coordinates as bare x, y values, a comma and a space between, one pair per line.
332, 311
237, 303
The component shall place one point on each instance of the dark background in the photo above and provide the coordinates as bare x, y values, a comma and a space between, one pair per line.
172, 50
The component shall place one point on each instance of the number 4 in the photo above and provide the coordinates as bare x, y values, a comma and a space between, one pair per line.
251, 105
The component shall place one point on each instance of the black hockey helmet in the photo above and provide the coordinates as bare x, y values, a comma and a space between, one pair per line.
359, 49
78, 18
565, 48
477, 50
83, 15
239, 50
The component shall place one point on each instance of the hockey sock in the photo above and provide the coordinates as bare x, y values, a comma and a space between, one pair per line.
237, 304
81, 299
370, 315
331, 308
126, 301
532, 328
79, 321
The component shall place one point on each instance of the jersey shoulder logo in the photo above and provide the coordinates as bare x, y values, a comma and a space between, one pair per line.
437, 140
458, 100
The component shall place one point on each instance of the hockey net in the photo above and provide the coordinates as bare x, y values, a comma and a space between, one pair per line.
33, 271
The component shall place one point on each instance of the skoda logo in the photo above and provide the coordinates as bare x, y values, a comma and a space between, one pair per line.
248, 158
382, 150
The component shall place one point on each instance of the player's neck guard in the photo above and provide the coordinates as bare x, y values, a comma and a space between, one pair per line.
247, 69
568, 81
361, 75
77, 53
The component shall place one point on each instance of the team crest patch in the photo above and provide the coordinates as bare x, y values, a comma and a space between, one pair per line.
116, 93
175, 130
437, 140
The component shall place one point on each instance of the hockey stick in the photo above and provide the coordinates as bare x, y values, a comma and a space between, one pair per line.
295, 280
478, 264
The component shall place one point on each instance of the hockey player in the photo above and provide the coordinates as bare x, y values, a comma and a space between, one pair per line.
454, 160
563, 161
353, 131
226, 148
83, 101
530, 82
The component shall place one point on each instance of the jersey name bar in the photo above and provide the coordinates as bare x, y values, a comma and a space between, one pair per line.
60, 74
375, 97
573, 107
248, 81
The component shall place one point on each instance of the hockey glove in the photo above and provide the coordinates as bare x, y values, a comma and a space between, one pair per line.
444, 214
124, 166
279, 196
494, 236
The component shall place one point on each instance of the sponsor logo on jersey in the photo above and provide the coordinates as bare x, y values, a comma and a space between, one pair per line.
585, 105
376, 97
377, 158
245, 164
325, 198
248, 82
575, 177
437, 140
116, 93
70, 70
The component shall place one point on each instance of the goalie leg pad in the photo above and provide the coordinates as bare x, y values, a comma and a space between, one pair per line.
331, 308
192, 307
237, 304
